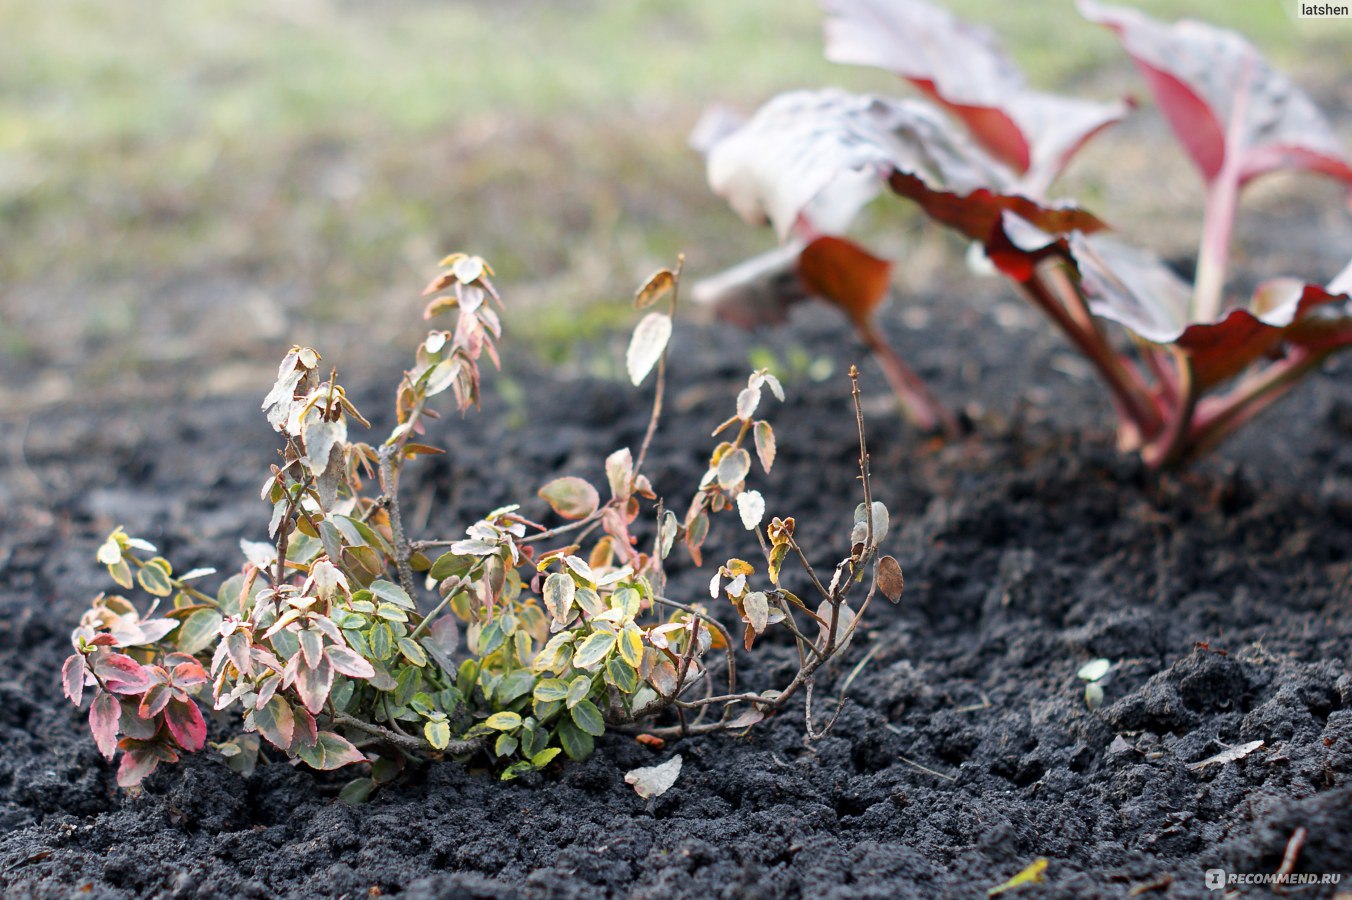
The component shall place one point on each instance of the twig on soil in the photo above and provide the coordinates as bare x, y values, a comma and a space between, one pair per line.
926, 769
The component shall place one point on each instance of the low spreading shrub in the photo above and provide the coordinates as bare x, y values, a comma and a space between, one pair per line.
343, 640
979, 156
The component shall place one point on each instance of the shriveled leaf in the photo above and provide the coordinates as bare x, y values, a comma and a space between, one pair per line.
647, 345
1233, 754
963, 68
1205, 79
662, 283
104, 714
654, 781
571, 497
890, 579
765, 444
1033, 873
751, 507
757, 608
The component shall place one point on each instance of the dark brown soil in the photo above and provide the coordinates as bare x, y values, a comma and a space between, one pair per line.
1222, 596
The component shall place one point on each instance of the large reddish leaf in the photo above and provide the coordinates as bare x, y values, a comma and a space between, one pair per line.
832, 150
962, 67
1222, 98
846, 274
1134, 288
120, 673
809, 151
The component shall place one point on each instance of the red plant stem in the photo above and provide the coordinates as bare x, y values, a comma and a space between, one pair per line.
1172, 445
1222, 198
917, 402
1222, 417
1133, 400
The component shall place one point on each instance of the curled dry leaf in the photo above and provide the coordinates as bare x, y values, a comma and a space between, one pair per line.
1232, 754
654, 781
660, 284
890, 579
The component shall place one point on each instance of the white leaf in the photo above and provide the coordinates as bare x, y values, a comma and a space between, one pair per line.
654, 781
751, 507
1230, 755
647, 346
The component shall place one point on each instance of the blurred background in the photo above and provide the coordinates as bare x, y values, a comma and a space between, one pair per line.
188, 188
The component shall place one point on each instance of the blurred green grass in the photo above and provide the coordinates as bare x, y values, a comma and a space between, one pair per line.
214, 179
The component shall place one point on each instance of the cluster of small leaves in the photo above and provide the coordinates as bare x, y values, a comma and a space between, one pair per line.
324, 640
979, 154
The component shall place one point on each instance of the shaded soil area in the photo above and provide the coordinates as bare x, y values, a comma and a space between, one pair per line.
1223, 598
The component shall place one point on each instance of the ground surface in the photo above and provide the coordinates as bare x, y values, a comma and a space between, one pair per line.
1221, 596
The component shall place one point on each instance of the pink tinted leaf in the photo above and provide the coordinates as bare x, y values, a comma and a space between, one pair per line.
330, 751
133, 725
963, 68
276, 722
571, 498
188, 675
349, 662
186, 724
137, 764
765, 444
120, 673
72, 677
104, 714
313, 684
154, 701
1201, 75
237, 647
306, 732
